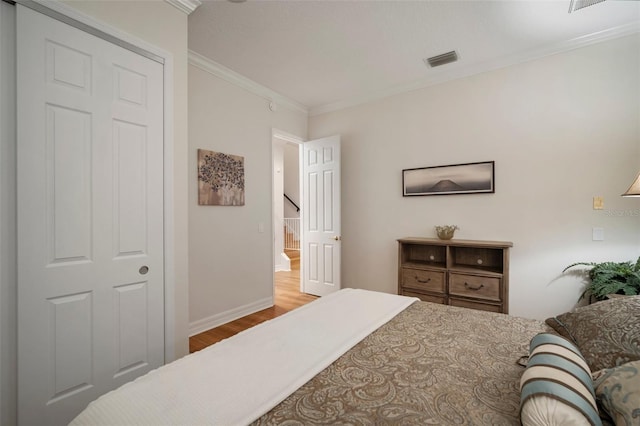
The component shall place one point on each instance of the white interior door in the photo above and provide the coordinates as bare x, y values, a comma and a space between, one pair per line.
90, 218
321, 216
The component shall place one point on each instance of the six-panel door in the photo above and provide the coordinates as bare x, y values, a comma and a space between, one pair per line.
90, 218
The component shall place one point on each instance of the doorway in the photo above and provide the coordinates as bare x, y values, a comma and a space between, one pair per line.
286, 207
318, 186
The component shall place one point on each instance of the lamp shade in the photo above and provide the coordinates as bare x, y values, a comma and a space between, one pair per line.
634, 189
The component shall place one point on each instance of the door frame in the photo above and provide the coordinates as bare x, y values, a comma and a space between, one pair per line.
288, 137
111, 34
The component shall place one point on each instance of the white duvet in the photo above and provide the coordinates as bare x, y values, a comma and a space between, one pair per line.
239, 379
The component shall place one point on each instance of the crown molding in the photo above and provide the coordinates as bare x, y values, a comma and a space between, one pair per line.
243, 82
456, 73
186, 6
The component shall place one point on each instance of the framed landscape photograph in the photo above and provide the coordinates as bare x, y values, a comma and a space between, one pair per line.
470, 178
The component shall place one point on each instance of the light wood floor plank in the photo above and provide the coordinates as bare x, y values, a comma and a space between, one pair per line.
287, 298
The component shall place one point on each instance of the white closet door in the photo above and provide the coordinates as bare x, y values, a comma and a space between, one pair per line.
90, 218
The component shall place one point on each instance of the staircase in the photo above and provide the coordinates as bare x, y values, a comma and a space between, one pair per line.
291, 233
294, 258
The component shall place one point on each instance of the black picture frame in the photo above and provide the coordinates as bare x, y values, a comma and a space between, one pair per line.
468, 178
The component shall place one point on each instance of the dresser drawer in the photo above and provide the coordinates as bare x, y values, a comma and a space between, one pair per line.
475, 305
426, 297
423, 279
477, 287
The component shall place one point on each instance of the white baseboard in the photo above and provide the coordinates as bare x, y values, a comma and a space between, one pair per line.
233, 314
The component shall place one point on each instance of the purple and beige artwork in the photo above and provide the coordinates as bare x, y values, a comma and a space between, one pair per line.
220, 179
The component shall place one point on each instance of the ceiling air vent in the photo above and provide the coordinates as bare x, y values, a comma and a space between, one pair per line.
445, 58
581, 4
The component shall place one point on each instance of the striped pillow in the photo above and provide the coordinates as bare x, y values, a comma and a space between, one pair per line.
556, 387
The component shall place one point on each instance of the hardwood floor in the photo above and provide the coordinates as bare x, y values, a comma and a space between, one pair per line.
287, 298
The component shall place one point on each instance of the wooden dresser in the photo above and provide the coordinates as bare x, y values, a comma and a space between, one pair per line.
466, 273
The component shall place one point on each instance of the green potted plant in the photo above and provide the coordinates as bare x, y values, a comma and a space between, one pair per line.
611, 278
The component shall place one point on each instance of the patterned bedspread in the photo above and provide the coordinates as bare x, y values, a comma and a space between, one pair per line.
431, 364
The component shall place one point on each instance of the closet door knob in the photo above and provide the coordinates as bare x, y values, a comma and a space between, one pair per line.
143, 270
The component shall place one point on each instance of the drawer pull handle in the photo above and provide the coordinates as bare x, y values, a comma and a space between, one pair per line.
467, 285
423, 281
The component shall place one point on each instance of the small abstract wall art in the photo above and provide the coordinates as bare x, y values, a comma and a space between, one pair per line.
220, 179
467, 178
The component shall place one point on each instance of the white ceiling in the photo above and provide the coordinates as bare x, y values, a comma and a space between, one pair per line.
329, 54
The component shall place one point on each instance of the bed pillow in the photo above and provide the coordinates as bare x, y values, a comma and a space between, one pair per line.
607, 333
618, 393
556, 387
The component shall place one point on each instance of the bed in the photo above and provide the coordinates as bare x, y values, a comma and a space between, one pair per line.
361, 357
